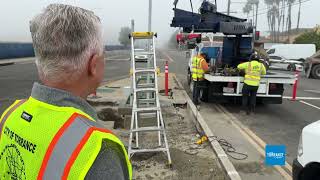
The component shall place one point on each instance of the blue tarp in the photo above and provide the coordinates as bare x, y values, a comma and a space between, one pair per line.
19, 50
16, 50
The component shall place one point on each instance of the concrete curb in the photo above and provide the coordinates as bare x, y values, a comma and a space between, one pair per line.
200, 122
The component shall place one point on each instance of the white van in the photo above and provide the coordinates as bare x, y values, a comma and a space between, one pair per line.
307, 164
292, 51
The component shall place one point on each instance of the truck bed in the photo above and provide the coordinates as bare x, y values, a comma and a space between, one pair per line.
271, 77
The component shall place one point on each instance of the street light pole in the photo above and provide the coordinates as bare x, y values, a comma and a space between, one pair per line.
150, 15
132, 25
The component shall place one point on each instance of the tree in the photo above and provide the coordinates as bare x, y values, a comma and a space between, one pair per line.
252, 5
299, 14
276, 15
311, 37
289, 22
124, 36
247, 9
273, 16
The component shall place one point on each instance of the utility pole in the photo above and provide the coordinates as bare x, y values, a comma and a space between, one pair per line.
150, 15
132, 25
229, 3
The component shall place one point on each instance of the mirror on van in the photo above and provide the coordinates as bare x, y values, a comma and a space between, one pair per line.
191, 45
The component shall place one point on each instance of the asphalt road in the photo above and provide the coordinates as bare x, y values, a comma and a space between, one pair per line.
16, 80
275, 124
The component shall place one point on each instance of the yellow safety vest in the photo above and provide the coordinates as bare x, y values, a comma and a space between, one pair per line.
197, 71
43, 141
253, 70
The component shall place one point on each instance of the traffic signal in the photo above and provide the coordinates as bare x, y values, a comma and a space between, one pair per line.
257, 35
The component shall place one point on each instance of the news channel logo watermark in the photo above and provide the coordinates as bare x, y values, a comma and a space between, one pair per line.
275, 155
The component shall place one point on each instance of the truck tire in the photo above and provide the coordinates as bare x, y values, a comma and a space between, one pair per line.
315, 72
311, 171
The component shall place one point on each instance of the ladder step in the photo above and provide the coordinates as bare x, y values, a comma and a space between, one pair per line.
146, 109
143, 53
144, 70
144, 129
145, 85
147, 150
145, 89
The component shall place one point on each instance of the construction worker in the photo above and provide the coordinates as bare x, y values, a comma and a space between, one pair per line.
199, 68
253, 71
53, 133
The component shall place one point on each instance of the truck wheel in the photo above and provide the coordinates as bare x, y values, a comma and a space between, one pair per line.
311, 171
315, 72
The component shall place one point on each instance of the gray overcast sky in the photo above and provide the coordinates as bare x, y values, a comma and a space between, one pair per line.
15, 15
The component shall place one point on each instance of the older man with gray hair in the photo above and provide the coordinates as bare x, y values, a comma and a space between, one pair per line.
53, 133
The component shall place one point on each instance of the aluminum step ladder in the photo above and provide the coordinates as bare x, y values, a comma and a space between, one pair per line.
146, 98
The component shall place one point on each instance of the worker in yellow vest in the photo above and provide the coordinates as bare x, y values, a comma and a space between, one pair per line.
53, 133
253, 71
199, 68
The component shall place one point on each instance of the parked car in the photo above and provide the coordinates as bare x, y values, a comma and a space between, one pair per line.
279, 62
312, 66
140, 56
307, 164
292, 51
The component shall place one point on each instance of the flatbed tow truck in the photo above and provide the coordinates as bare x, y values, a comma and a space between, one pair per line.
235, 46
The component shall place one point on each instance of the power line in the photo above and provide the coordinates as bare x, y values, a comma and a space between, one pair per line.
281, 7
263, 9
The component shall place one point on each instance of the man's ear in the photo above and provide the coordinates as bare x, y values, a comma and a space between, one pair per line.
93, 65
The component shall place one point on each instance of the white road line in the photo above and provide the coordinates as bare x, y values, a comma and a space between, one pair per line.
169, 58
313, 91
302, 98
306, 103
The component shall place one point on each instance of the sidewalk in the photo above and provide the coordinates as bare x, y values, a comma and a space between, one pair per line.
189, 160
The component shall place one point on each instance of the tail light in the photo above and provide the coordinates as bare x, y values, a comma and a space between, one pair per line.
230, 85
272, 86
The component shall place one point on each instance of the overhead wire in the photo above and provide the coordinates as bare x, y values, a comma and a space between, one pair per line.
283, 7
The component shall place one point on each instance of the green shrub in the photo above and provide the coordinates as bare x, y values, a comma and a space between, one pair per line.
311, 37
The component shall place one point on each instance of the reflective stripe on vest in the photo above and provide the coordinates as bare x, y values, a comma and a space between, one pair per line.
65, 147
5, 117
252, 77
197, 71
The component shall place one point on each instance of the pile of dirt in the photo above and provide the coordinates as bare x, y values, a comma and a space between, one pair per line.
189, 160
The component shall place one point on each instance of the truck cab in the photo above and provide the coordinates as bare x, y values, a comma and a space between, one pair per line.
312, 66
